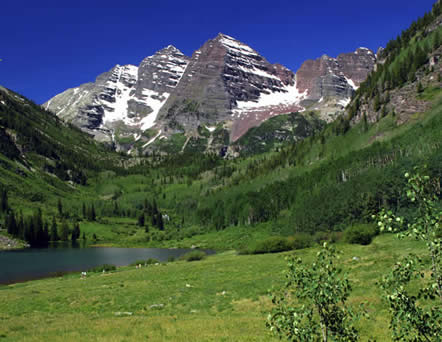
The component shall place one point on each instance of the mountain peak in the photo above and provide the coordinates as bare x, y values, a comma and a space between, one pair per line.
233, 44
169, 49
225, 36
364, 50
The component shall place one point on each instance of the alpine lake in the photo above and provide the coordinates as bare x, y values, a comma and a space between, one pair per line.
62, 258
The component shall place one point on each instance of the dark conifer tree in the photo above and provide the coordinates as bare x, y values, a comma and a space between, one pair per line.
64, 231
11, 224
60, 207
29, 231
21, 227
116, 210
54, 232
141, 220
160, 222
45, 233
93, 216
4, 206
75, 232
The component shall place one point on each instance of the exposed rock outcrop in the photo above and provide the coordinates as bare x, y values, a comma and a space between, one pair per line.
225, 82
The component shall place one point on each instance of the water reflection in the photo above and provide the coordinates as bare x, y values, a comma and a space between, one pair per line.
34, 263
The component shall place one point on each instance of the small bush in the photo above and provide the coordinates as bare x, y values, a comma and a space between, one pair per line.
361, 234
105, 267
274, 244
300, 241
332, 237
150, 261
193, 256
171, 259
321, 237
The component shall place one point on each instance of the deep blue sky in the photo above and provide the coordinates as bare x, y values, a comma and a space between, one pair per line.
49, 46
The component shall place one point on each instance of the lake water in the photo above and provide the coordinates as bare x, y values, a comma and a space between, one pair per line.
35, 263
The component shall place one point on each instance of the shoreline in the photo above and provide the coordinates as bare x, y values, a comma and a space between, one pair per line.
8, 244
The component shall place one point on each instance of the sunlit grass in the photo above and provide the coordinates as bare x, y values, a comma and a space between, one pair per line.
221, 298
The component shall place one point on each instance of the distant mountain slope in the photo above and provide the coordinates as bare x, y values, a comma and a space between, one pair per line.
225, 83
39, 153
408, 72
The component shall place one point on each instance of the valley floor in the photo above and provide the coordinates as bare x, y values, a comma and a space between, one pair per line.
222, 298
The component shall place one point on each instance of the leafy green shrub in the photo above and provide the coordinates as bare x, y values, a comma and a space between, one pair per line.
150, 261
300, 241
412, 320
171, 259
105, 267
274, 244
193, 256
361, 234
323, 290
320, 237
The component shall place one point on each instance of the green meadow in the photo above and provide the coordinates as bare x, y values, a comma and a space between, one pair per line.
220, 298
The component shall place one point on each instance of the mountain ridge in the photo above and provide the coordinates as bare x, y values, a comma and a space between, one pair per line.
227, 82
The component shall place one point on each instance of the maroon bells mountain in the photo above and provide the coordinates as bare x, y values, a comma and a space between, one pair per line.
225, 85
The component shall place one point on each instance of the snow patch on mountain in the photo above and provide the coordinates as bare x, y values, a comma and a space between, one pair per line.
234, 45
344, 102
352, 84
152, 140
156, 102
287, 98
210, 129
116, 94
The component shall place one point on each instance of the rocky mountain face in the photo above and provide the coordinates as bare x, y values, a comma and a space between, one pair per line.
124, 101
330, 82
407, 78
225, 88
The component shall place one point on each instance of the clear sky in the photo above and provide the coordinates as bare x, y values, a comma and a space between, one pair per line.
48, 46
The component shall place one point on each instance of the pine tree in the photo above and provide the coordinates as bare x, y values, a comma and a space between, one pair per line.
75, 232
11, 224
21, 227
365, 122
29, 231
377, 103
420, 57
92, 215
64, 231
160, 223
116, 210
45, 239
141, 220
436, 41
60, 207
4, 201
54, 233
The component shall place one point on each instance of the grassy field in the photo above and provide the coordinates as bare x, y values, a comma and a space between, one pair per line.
222, 298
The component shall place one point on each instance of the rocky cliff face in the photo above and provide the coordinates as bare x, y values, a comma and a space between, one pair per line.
225, 85
125, 100
330, 82
227, 81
